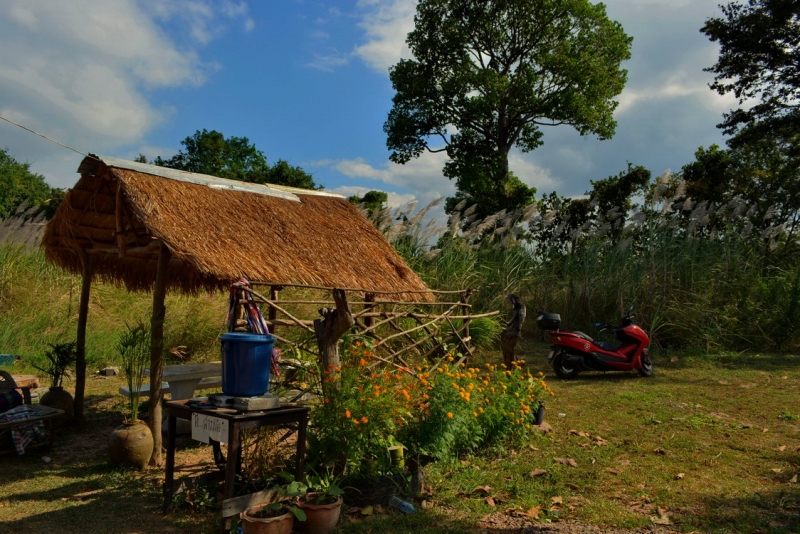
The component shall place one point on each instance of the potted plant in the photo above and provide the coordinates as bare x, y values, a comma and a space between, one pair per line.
275, 517
131, 443
59, 358
322, 504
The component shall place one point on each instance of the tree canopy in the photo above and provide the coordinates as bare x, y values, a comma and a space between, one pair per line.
372, 201
18, 184
759, 60
488, 74
235, 158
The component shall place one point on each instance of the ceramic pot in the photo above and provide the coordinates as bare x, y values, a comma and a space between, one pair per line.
320, 518
281, 524
59, 398
131, 444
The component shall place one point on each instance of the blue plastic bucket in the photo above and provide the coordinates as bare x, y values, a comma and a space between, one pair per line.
246, 361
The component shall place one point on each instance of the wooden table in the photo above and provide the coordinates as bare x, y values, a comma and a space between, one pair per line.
237, 421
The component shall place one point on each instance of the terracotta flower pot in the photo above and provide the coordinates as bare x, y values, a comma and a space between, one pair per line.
281, 524
131, 444
320, 518
59, 398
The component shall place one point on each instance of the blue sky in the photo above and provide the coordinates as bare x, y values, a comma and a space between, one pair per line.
307, 81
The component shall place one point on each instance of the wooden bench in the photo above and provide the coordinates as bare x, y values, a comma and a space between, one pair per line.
205, 383
45, 414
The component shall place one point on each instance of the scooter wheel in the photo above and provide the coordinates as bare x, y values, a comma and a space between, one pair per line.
646, 369
562, 370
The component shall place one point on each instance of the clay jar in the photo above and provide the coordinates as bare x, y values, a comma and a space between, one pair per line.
131, 444
59, 398
251, 524
320, 518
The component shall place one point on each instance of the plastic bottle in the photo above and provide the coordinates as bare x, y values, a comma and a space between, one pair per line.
400, 504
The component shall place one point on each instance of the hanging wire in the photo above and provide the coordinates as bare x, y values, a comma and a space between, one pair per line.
44, 136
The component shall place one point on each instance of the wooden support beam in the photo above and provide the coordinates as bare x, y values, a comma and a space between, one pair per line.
157, 351
510, 336
368, 307
80, 341
273, 293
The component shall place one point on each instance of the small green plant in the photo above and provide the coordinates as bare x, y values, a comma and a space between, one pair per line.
133, 347
788, 416
285, 493
59, 357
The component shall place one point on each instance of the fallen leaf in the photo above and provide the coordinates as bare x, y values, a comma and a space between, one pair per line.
782, 448
777, 470
679, 476
674, 359
533, 512
537, 472
490, 502
367, 510
765, 430
531, 447
662, 518
556, 500
793, 480
426, 504
464, 462
660, 450
378, 509
784, 377
614, 471
574, 487
573, 432
481, 489
566, 461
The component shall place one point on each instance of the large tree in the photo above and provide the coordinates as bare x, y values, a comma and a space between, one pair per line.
235, 158
488, 74
759, 61
18, 184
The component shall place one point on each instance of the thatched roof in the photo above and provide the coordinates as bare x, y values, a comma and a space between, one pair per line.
218, 231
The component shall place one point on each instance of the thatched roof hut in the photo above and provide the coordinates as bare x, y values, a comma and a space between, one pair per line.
218, 231
153, 227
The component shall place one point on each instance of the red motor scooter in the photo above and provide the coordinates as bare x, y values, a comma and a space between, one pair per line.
574, 352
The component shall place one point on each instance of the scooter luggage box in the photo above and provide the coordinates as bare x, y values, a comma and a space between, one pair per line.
548, 321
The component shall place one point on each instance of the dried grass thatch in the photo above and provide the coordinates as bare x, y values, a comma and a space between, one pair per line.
217, 235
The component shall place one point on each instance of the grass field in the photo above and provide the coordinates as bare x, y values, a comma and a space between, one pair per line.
710, 444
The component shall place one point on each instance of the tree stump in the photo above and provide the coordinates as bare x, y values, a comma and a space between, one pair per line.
510, 336
330, 327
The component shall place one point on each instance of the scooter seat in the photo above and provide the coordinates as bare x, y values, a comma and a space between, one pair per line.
584, 336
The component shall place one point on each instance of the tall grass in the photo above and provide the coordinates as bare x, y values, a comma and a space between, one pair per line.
39, 305
696, 275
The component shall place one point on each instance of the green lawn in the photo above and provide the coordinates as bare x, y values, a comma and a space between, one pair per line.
710, 444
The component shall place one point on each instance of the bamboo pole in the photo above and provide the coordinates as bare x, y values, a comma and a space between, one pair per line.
361, 290
157, 351
80, 341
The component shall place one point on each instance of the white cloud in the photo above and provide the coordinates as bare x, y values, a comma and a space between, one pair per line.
328, 62
531, 174
78, 71
421, 177
386, 24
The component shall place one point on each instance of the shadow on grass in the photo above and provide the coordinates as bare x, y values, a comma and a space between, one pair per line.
772, 512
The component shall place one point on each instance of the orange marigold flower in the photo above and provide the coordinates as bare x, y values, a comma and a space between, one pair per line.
355, 421
449, 415
327, 400
347, 414
358, 343
364, 420
362, 362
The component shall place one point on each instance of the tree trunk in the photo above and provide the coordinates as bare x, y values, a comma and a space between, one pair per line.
80, 342
157, 351
510, 336
328, 329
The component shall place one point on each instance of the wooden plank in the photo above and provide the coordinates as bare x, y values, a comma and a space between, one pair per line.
235, 505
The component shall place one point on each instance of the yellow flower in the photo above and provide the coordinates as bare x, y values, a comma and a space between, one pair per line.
480, 409
449, 415
475, 414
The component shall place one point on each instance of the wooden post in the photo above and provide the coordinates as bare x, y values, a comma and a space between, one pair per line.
80, 341
328, 329
273, 313
369, 298
510, 336
118, 218
157, 351
464, 300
